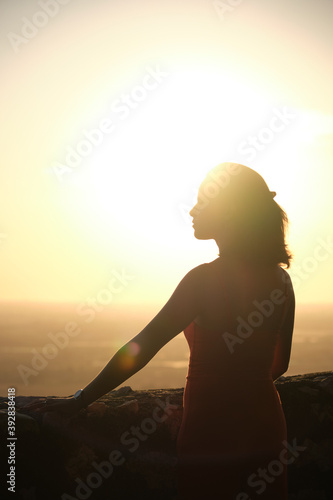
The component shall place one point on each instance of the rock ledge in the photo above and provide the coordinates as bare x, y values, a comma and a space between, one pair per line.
124, 445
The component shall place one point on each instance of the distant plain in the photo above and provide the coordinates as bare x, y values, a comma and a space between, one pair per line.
25, 327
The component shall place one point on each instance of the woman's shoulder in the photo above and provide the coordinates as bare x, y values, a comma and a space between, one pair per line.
206, 268
231, 271
199, 275
289, 289
286, 278
199, 271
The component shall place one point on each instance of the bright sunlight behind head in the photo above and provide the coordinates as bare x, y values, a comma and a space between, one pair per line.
120, 116
144, 177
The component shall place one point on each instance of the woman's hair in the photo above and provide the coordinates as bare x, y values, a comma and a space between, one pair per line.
258, 223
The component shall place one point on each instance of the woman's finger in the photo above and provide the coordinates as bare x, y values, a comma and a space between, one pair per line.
33, 405
40, 405
48, 405
52, 406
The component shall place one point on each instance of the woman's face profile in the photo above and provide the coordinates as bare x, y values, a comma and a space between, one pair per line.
208, 216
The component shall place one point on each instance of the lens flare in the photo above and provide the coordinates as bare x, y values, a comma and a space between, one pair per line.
130, 351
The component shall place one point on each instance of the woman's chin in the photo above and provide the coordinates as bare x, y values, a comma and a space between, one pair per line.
201, 235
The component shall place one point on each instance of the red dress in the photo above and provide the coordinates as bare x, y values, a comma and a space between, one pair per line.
232, 440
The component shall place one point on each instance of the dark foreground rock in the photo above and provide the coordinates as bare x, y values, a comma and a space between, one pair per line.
124, 446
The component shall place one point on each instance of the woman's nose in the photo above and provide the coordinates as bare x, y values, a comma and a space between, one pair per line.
195, 210
192, 211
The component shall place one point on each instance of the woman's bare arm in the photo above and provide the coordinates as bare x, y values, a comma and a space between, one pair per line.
183, 306
283, 347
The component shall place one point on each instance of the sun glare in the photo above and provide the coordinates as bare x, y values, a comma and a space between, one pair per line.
144, 175
131, 195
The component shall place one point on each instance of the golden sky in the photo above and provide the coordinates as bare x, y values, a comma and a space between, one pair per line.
112, 112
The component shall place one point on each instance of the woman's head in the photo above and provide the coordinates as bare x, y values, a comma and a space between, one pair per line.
236, 208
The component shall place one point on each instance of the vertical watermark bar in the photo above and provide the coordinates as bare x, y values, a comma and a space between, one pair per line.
11, 441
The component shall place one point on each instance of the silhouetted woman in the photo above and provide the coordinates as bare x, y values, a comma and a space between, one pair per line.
237, 314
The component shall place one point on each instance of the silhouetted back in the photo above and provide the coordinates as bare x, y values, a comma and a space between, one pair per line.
233, 422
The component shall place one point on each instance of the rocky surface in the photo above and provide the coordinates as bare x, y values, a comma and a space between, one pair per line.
124, 445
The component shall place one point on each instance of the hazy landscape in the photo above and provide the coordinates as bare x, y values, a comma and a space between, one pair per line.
27, 328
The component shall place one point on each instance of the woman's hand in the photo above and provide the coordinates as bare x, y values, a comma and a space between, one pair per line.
65, 406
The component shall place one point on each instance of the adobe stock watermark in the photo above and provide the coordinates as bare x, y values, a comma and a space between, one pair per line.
265, 308
255, 319
121, 109
321, 252
220, 179
31, 27
61, 339
277, 124
131, 440
225, 8
95, 304
264, 477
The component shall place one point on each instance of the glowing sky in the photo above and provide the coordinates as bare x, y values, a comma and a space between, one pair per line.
175, 87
